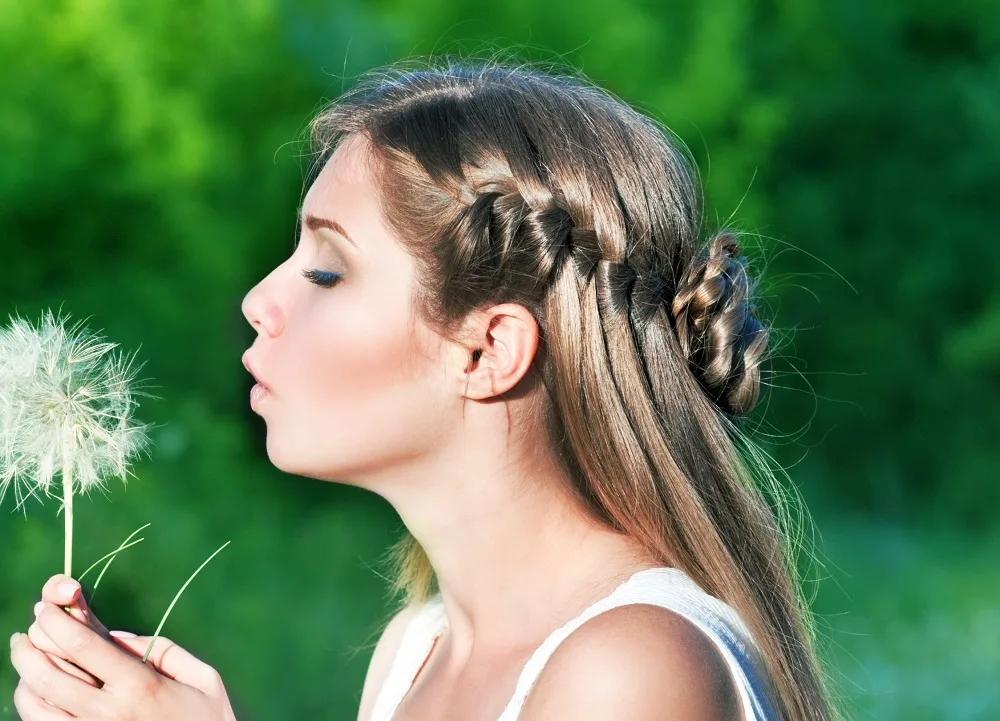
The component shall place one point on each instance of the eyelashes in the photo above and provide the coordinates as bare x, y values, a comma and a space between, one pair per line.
323, 278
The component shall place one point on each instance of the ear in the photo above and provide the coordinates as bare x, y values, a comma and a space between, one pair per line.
501, 345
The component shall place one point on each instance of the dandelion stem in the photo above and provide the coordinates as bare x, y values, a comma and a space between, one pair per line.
67, 486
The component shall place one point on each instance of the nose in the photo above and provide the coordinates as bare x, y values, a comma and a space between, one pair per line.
261, 310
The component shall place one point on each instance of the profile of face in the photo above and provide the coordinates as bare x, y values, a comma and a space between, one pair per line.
355, 380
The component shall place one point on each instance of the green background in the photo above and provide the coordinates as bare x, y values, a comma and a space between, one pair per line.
150, 171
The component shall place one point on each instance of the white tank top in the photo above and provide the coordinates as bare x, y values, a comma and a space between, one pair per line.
669, 588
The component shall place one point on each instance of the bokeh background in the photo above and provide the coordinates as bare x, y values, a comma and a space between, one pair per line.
150, 172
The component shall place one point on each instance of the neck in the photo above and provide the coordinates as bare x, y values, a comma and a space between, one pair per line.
514, 550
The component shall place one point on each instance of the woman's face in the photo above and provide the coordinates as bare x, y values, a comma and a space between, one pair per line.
355, 387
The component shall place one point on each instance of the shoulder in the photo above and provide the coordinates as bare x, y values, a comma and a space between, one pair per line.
635, 661
382, 657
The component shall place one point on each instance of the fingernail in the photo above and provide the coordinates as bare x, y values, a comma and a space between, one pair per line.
123, 634
14, 638
67, 589
38, 608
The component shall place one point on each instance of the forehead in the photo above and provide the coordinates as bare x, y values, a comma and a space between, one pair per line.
344, 175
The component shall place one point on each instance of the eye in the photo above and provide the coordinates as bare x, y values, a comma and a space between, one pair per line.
322, 278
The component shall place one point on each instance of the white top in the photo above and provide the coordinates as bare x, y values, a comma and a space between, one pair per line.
667, 587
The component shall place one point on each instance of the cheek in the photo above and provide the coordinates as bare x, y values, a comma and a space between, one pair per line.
360, 394
355, 360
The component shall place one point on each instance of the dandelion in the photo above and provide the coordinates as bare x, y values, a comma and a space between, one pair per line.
66, 407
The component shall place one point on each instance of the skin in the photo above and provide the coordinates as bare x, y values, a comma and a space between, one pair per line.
364, 392
70, 668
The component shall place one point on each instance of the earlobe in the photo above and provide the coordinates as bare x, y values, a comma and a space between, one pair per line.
503, 352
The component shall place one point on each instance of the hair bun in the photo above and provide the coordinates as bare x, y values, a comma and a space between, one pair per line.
714, 321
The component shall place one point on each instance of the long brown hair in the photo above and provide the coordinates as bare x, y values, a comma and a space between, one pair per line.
513, 183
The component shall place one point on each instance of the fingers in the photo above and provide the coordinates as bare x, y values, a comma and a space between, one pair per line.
31, 707
67, 592
62, 590
40, 640
174, 662
50, 684
83, 646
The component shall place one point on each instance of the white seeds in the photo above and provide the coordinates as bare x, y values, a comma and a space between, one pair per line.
67, 399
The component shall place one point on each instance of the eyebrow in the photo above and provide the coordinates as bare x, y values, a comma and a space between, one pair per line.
314, 223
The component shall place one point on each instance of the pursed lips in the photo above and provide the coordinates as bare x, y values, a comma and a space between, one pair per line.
251, 371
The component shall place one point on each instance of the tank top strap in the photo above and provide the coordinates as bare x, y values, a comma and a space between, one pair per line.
414, 648
672, 589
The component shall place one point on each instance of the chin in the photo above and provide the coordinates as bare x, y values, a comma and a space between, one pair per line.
282, 457
288, 459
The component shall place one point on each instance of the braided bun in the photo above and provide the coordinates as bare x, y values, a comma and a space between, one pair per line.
718, 333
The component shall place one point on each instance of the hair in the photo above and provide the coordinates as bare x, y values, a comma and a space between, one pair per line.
510, 183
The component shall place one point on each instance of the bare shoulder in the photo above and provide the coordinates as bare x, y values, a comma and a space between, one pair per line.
381, 660
639, 662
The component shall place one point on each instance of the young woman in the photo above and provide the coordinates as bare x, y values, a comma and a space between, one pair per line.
504, 316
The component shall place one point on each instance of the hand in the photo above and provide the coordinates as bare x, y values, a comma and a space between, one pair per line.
66, 592
174, 684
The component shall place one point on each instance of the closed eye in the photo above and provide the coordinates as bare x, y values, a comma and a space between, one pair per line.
322, 278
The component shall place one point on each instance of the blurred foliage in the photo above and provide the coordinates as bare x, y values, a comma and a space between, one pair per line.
150, 175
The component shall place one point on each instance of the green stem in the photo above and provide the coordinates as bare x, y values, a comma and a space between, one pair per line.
67, 486
113, 555
171, 606
109, 555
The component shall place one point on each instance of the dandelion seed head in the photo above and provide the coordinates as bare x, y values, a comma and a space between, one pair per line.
67, 401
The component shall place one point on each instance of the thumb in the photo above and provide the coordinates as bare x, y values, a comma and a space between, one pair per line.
62, 590
172, 661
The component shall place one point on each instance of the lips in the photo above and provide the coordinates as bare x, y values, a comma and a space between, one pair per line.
250, 369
